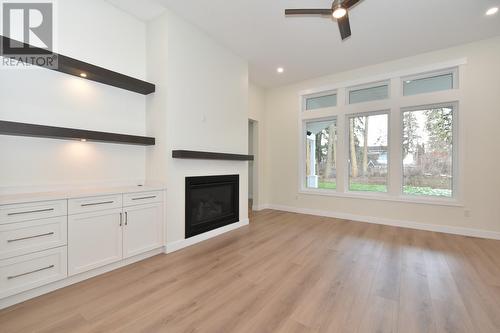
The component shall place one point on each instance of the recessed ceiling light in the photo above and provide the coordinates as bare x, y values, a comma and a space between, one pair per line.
83, 74
280, 70
492, 11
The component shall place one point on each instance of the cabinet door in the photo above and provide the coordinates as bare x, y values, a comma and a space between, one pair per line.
94, 240
143, 229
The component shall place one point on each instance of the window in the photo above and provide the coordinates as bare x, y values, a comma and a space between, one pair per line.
321, 152
368, 152
429, 83
372, 92
428, 151
374, 143
318, 102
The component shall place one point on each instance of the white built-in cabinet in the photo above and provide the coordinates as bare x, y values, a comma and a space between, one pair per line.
142, 229
94, 240
114, 233
46, 241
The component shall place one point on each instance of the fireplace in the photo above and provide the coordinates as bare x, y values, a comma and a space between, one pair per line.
211, 202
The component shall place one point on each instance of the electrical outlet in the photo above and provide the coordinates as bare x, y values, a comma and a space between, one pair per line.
467, 213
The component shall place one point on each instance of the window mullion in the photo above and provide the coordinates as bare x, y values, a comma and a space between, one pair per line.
395, 135
341, 154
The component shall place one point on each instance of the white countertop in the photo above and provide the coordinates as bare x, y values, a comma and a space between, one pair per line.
71, 193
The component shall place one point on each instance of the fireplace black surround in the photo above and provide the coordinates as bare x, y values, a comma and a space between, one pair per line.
211, 202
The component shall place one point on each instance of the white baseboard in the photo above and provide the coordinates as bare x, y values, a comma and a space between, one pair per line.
260, 207
180, 244
391, 222
18, 298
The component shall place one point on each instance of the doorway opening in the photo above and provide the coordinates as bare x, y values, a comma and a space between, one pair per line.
253, 128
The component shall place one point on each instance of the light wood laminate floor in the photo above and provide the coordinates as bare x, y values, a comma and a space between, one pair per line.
288, 273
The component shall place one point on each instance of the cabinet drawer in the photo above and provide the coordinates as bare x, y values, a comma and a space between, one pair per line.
26, 237
93, 204
132, 199
32, 211
32, 270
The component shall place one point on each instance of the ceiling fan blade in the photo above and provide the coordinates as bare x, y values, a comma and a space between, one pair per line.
308, 12
349, 3
344, 27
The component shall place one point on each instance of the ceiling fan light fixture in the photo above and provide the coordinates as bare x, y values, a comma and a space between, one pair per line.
492, 11
339, 12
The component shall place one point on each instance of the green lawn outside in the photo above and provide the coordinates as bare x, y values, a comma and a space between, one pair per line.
327, 185
411, 190
437, 192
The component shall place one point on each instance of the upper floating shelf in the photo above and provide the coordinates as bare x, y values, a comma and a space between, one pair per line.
88, 71
42, 131
205, 155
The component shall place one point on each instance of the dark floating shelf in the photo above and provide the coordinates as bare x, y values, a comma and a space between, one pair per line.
41, 131
76, 67
204, 155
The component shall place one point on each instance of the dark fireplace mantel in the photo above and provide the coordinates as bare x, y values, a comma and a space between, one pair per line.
205, 155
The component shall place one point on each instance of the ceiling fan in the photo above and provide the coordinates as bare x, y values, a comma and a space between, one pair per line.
338, 11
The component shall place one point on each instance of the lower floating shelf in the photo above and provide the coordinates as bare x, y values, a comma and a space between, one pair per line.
42, 131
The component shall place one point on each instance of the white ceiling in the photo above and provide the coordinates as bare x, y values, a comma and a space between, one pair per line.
144, 10
309, 47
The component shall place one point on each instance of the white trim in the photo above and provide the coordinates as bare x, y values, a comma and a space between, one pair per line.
316, 95
260, 207
384, 196
445, 71
180, 244
392, 222
365, 86
387, 76
21, 297
347, 153
456, 142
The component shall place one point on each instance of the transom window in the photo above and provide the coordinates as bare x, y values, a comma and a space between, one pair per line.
430, 82
321, 101
367, 93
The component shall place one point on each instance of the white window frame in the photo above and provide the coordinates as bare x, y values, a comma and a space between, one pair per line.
455, 151
303, 152
395, 103
347, 156
453, 71
319, 94
368, 86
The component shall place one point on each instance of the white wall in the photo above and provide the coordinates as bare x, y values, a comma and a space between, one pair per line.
205, 107
95, 32
479, 113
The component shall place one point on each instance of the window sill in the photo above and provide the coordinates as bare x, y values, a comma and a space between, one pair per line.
385, 197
